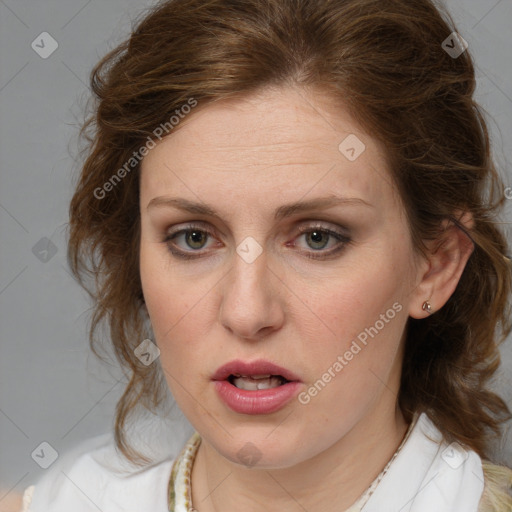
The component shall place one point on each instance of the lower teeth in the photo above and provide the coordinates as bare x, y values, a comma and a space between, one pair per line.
249, 384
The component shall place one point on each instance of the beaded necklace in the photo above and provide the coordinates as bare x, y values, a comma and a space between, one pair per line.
180, 491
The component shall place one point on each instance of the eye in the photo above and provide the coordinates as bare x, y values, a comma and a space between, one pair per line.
319, 237
187, 242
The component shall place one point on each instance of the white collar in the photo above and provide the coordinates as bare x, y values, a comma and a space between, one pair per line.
430, 475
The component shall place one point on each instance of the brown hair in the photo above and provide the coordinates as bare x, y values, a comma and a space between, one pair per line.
385, 60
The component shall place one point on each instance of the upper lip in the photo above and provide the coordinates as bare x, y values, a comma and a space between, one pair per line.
248, 369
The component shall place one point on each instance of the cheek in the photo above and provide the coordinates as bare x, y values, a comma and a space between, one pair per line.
364, 315
359, 295
179, 308
167, 300
359, 356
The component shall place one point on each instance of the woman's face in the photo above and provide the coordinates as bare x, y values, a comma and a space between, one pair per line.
270, 238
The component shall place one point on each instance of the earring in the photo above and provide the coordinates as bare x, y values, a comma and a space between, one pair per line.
427, 307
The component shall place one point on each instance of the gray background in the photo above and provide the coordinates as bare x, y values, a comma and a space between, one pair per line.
51, 388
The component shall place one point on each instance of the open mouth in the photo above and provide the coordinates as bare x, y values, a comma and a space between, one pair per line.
256, 382
255, 387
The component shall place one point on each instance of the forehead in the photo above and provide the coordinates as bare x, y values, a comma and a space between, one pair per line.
277, 140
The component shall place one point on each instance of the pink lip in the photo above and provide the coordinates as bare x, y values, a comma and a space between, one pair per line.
262, 401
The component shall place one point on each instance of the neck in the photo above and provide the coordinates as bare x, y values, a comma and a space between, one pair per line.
330, 481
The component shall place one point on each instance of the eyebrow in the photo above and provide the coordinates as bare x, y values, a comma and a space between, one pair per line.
287, 210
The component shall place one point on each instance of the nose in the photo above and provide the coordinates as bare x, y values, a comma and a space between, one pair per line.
251, 305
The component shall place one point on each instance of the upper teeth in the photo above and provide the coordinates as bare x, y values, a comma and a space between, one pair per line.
264, 382
254, 376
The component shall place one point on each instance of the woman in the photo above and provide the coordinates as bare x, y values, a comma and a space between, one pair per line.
294, 200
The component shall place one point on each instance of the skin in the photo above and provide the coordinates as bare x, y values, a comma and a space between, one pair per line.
10, 503
244, 158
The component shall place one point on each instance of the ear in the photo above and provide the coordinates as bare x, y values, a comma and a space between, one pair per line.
442, 267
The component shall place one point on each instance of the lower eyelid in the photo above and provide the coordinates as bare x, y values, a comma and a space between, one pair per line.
183, 254
324, 255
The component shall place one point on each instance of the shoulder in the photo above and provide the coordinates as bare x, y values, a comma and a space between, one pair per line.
497, 495
95, 476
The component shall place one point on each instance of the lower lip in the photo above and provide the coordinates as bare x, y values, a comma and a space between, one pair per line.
262, 401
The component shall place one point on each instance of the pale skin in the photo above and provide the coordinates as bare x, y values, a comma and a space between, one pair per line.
245, 158
11, 503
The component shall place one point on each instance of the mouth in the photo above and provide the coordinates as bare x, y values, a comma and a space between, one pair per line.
254, 388
256, 382
255, 375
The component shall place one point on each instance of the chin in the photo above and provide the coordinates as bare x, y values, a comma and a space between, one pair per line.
254, 448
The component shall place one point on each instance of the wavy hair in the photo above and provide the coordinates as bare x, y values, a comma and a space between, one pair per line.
385, 60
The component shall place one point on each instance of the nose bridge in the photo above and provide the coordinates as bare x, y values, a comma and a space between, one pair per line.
249, 277
249, 299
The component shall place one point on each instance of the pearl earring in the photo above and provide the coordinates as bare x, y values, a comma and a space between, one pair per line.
427, 307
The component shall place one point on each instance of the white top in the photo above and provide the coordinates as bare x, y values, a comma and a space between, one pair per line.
426, 475
86, 482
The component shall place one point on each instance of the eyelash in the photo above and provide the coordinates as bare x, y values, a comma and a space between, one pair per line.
343, 240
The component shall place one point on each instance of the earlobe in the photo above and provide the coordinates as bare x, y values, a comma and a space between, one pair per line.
447, 259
